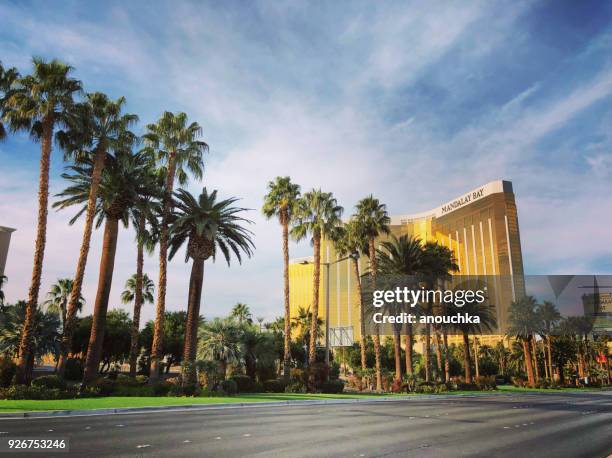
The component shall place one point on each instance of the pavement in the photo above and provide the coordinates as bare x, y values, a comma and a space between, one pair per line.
524, 425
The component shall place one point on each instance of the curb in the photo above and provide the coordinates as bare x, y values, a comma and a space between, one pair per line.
241, 405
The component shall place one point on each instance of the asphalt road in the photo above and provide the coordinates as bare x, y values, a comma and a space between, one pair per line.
542, 425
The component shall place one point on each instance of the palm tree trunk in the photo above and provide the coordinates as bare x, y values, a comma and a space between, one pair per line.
466, 358
446, 359
535, 359
312, 350
476, 365
397, 348
75, 293
409, 364
287, 350
158, 332
193, 319
376, 337
105, 279
137, 299
427, 353
549, 350
441, 375
362, 326
25, 364
528, 361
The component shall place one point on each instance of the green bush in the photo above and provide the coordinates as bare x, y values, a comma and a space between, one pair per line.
244, 383
19, 392
229, 387
142, 379
49, 381
103, 386
7, 371
296, 387
133, 391
161, 388
74, 369
274, 386
332, 386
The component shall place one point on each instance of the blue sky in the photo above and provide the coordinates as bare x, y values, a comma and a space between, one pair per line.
415, 102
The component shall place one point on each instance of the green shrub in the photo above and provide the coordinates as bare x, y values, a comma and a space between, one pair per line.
332, 386
334, 370
133, 391
229, 387
274, 386
244, 383
103, 386
19, 392
142, 379
208, 393
296, 387
74, 369
49, 381
161, 388
7, 371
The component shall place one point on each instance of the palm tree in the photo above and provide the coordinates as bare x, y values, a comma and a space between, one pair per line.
401, 256
207, 225
57, 299
486, 316
144, 216
178, 150
549, 317
39, 103
242, 313
523, 325
98, 126
351, 242
373, 219
138, 288
302, 323
45, 331
125, 179
7, 77
281, 202
318, 215
437, 264
220, 341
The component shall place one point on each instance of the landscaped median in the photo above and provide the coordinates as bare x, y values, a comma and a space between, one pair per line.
116, 402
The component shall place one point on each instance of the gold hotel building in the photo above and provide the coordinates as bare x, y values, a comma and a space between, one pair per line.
480, 227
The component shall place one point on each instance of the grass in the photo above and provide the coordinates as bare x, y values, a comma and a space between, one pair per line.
113, 402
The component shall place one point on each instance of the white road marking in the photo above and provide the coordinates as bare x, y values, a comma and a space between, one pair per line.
506, 427
87, 427
218, 437
49, 430
143, 446
186, 441
524, 424
119, 426
246, 435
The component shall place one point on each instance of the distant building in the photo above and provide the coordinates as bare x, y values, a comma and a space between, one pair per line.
5, 240
480, 227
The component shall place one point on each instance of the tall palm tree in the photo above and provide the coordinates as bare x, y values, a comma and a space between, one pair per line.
351, 242
318, 215
486, 316
242, 313
39, 103
178, 150
138, 288
97, 127
523, 325
208, 226
220, 341
549, 317
302, 323
144, 216
437, 264
7, 77
401, 255
281, 202
126, 177
57, 299
373, 219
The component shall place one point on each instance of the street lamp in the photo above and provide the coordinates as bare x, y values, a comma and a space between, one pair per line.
327, 265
